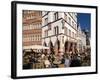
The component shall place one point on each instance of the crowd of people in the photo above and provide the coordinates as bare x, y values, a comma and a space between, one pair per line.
34, 60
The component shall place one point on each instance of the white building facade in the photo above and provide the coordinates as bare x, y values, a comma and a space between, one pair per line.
81, 40
60, 30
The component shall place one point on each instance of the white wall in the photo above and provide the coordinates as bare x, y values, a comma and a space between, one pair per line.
5, 40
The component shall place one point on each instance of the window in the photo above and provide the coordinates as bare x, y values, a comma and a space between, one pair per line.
66, 17
75, 26
46, 33
69, 20
66, 31
30, 26
38, 38
56, 30
49, 27
69, 32
39, 25
46, 21
73, 34
63, 23
33, 38
72, 23
56, 16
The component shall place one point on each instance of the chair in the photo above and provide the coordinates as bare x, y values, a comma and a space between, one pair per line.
39, 65
61, 66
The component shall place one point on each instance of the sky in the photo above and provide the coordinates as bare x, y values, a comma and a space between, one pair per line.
84, 19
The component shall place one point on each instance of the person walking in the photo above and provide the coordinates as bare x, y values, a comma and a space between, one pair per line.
47, 63
67, 61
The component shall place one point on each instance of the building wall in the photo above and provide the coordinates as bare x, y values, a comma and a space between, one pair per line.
81, 40
71, 27
63, 22
32, 32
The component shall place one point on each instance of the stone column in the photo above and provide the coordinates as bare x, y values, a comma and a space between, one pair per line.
68, 46
62, 45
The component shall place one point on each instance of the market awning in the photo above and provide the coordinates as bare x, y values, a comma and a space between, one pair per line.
35, 47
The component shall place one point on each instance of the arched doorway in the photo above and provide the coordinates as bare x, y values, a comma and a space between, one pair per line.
44, 44
51, 47
71, 47
57, 46
44, 51
66, 46
75, 48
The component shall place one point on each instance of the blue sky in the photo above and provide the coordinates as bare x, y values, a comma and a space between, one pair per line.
84, 19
